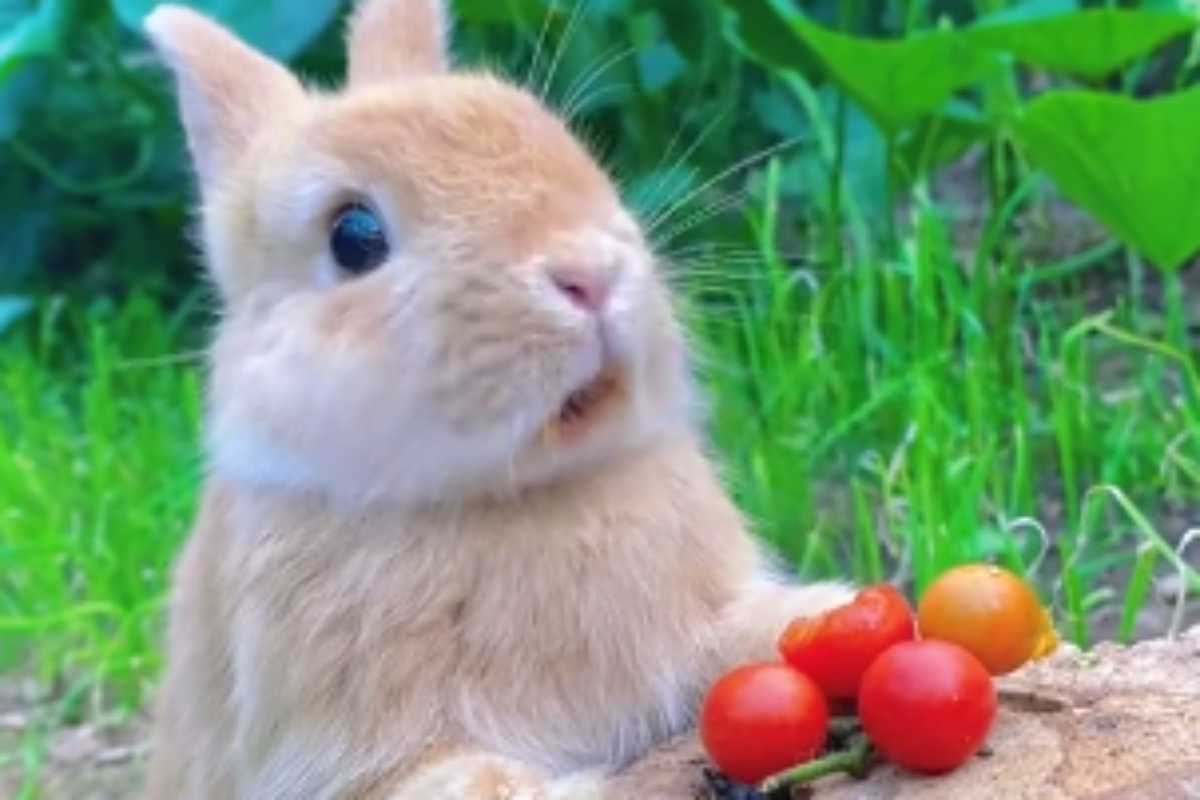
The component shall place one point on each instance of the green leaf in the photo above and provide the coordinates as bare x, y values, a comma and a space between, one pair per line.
1133, 164
766, 30
280, 29
1092, 43
660, 66
12, 309
897, 82
37, 34
779, 113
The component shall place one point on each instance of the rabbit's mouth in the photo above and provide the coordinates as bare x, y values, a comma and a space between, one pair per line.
585, 407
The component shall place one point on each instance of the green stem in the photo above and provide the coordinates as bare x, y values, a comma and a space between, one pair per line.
68, 185
1177, 321
853, 761
835, 184
915, 16
891, 190
1179, 336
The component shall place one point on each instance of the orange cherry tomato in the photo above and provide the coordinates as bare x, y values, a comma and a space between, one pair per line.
761, 719
837, 647
989, 611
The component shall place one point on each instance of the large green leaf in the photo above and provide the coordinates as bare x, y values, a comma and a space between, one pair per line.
766, 30
1134, 164
281, 28
1058, 35
897, 82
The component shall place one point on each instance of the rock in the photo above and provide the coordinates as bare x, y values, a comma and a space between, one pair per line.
1112, 723
76, 745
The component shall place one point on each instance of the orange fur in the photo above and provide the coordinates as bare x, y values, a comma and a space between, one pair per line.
399, 585
397, 40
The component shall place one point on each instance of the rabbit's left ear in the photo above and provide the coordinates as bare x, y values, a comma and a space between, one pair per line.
227, 90
396, 39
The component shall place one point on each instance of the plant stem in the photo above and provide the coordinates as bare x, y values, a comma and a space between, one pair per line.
1177, 322
853, 761
835, 254
891, 189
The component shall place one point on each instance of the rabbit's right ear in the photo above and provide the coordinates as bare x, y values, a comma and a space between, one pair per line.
226, 89
395, 39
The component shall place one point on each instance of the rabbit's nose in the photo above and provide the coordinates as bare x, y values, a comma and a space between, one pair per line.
588, 289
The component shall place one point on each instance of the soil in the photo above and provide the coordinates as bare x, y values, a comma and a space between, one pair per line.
39, 758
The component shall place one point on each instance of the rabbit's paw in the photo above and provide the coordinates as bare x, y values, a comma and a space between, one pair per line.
486, 776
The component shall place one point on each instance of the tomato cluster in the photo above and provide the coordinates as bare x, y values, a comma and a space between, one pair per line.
926, 702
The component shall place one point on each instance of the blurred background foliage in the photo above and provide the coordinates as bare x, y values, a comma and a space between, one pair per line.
96, 188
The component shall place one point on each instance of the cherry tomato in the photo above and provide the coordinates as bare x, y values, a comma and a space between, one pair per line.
989, 611
835, 648
761, 719
927, 706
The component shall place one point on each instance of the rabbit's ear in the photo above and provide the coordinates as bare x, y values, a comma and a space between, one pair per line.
395, 39
226, 88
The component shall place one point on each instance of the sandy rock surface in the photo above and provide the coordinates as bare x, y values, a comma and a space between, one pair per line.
1112, 723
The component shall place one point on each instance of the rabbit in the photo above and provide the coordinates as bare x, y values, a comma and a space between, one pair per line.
460, 534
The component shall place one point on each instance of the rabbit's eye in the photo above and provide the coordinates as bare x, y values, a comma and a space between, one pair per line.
357, 240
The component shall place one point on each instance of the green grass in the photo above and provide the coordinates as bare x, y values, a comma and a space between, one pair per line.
893, 416
880, 416
98, 474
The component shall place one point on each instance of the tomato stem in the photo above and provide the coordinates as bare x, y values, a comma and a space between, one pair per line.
844, 730
853, 761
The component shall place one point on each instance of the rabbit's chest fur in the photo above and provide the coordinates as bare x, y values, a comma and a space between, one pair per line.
571, 627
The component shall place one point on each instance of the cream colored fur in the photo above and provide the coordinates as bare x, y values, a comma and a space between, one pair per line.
405, 580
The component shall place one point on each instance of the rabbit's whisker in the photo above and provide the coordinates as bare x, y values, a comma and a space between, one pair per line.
539, 48
577, 15
749, 161
577, 92
661, 184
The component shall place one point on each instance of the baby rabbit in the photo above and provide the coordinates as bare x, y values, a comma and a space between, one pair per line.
460, 537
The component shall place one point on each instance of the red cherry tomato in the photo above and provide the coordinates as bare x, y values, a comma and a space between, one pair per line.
927, 706
761, 719
837, 647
